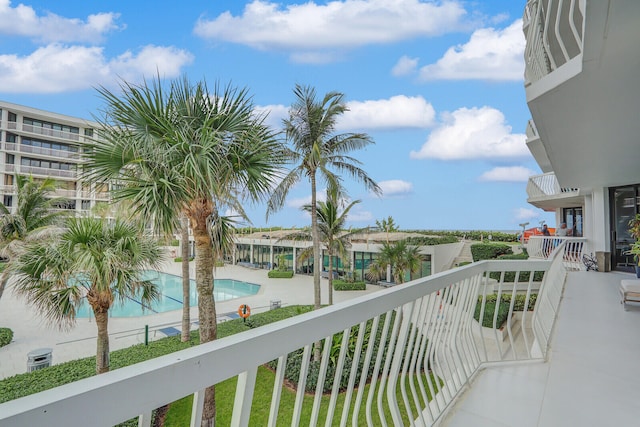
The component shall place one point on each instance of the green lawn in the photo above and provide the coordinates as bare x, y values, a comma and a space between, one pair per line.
180, 412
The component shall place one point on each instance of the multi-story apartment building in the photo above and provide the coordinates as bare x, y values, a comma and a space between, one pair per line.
581, 87
45, 144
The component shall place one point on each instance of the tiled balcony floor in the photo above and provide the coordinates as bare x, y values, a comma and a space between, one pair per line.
590, 378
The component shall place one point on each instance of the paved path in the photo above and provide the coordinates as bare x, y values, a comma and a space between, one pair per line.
31, 332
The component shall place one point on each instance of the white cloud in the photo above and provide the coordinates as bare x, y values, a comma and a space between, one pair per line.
397, 112
470, 133
525, 214
299, 202
395, 187
311, 29
57, 68
507, 174
405, 66
489, 54
23, 21
275, 113
360, 216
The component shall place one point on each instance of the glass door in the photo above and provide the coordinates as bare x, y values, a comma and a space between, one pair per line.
624, 207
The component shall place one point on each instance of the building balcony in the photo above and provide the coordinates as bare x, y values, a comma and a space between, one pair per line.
423, 341
41, 131
544, 192
41, 152
554, 34
536, 147
39, 172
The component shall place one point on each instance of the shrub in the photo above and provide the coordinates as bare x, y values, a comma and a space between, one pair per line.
179, 259
482, 251
510, 276
341, 285
175, 242
277, 274
6, 335
503, 309
43, 379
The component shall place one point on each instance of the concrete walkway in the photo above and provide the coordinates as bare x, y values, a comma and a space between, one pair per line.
31, 332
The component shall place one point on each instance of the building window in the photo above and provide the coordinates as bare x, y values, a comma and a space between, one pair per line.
88, 132
12, 117
10, 159
8, 201
11, 137
86, 205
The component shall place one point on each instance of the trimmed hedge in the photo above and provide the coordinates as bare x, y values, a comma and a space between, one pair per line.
503, 308
482, 251
21, 385
179, 259
341, 285
6, 335
277, 274
431, 241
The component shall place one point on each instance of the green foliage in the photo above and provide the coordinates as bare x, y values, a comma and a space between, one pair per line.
294, 359
342, 285
43, 379
3, 265
179, 259
431, 240
6, 335
510, 276
503, 308
496, 236
277, 274
175, 242
482, 251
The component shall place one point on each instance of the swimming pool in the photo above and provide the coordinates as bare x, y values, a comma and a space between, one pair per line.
170, 288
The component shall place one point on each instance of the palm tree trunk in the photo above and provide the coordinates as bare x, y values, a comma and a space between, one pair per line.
186, 282
4, 278
102, 350
330, 278
317, 261
206, 306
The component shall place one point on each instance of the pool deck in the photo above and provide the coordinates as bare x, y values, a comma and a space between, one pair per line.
31, 332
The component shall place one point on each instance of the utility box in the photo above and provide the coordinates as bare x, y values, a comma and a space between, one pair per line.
38, 359
275, 303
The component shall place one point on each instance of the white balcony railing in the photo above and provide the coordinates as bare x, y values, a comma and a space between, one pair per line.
414, 339
58, 154
554, 33
541, 247
546, 185
39, 130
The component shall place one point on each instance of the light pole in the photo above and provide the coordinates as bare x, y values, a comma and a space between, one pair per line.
523, 225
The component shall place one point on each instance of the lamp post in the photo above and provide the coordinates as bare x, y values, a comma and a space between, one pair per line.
523, 225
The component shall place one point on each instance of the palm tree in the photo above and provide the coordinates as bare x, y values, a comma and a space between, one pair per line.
186, 151
33, 215
318, 151
186, 280
400, 257
387, 225
93, 259
331, 231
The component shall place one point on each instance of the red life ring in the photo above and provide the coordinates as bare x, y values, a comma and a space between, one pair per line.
244, 311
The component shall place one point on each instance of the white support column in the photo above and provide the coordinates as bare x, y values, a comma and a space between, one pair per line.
144, 420
196, 409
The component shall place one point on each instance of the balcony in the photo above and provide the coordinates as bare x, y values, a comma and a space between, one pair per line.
544, 192
422, 328
39, 151
536, 147
542, 247
38, 130
554, 33
39, 172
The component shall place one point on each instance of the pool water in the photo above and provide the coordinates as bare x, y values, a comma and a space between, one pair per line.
170, 288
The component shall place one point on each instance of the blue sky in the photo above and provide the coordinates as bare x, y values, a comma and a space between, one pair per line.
437, 84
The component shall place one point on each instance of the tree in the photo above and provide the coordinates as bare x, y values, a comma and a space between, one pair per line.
186, 280
32, 216
331, 232
189, 151
319, 153
90, 258
387, 225
400, 257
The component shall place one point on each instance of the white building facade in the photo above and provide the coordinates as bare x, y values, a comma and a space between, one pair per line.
46, 145
581, 86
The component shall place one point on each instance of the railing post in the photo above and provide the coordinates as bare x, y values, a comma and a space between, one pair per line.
144, 420
244, 396
196, 409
